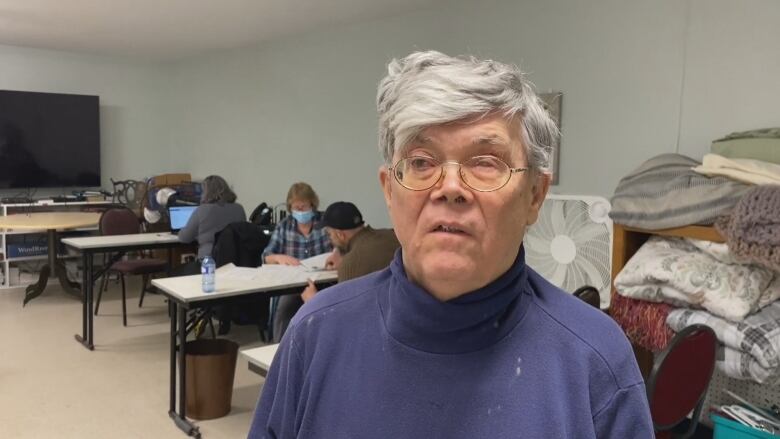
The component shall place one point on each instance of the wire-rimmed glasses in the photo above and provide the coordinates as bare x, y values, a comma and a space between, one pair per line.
483, 173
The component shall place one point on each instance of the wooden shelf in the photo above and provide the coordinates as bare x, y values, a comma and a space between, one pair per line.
706, 233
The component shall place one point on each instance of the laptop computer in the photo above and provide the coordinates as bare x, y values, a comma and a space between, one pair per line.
179, 216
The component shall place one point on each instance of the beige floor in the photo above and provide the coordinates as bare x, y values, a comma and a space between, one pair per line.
52, 387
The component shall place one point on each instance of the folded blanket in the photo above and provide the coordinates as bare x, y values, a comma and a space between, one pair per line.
744, 170
757, 335
678, 272
743, 366
762, 133
752, 231
761, 144
752, 346
643, 322
764, 149
664, 192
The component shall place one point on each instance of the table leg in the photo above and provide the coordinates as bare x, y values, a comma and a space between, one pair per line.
58, 267
179, 314
53, 267
89, 299
172, 315
35, 290
86, 307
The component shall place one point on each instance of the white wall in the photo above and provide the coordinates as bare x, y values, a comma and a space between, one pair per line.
639, 78
303, 108
133, 121
732, 71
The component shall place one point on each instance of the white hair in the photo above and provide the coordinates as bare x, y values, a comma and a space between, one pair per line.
431, 88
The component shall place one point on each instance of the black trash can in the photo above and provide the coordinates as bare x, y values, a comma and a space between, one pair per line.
211, 366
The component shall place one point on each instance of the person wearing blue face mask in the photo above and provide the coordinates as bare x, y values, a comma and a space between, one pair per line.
298, 236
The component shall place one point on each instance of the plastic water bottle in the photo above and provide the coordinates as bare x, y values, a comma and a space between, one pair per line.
208, 268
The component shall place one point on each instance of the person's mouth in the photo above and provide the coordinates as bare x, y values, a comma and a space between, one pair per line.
450, 228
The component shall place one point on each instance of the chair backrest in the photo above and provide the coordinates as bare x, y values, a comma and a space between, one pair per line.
241, 243
681, 375
589, 295
129, 193
119, 221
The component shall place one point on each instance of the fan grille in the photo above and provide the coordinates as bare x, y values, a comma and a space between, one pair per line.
570, 245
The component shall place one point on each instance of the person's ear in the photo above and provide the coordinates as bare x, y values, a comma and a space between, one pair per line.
539, 190
385, 179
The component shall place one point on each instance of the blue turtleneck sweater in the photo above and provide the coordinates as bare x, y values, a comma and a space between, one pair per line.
379, 357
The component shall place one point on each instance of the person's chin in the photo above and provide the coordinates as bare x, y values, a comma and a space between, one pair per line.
449, 265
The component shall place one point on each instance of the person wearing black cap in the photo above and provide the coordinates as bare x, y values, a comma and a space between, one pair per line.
360, 249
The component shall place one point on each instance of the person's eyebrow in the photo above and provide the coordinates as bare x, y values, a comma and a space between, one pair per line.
490, 139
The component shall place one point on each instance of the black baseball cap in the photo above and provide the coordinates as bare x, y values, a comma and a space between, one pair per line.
342, 215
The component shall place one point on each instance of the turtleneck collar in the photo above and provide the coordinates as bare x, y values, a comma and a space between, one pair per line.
468, 323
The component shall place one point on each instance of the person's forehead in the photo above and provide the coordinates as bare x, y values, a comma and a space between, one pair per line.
477, 136
300, 201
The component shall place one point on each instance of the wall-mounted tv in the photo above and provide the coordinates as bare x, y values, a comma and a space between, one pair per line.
49, 140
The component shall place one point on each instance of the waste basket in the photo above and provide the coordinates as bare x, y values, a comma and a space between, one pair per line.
211, 366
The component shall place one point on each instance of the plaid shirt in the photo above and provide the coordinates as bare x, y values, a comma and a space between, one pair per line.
287, 240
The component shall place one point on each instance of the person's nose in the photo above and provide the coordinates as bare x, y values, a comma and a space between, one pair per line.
451, 187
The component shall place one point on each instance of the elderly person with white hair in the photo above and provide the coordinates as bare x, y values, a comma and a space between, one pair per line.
458, 338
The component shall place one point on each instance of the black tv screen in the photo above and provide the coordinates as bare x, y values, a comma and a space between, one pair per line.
49, 140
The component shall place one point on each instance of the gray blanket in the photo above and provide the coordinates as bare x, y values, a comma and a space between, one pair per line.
664, 192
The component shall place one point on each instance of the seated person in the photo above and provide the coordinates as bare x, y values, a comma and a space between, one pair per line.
298, 236
359, 249
218, 208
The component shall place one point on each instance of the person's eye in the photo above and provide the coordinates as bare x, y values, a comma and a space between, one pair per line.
485, 162
421, 164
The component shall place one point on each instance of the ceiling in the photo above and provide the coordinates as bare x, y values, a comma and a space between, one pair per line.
173, 29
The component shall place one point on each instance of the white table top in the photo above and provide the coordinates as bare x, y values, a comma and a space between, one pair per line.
49, 220
235, 281
113, 241
262, 356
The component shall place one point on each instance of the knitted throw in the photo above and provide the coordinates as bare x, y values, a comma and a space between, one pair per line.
752, 230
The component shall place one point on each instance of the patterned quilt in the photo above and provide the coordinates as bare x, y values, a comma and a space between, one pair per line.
751, 347
697, 274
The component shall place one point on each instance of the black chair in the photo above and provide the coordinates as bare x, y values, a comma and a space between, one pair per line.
241, 243
589, 295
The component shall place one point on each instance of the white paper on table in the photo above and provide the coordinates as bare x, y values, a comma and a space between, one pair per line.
230, 271
281, 274
270, 274
316, 263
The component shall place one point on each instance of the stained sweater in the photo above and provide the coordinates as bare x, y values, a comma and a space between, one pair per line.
379, 357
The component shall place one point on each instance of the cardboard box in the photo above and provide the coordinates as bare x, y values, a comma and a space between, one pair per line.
169, 179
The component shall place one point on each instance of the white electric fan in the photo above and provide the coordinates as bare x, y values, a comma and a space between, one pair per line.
571, 243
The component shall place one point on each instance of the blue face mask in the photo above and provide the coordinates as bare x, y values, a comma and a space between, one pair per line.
303, 216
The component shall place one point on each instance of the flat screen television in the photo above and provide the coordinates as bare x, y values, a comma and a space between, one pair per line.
49, 140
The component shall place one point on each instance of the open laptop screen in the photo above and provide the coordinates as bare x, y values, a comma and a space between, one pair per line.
179, 216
